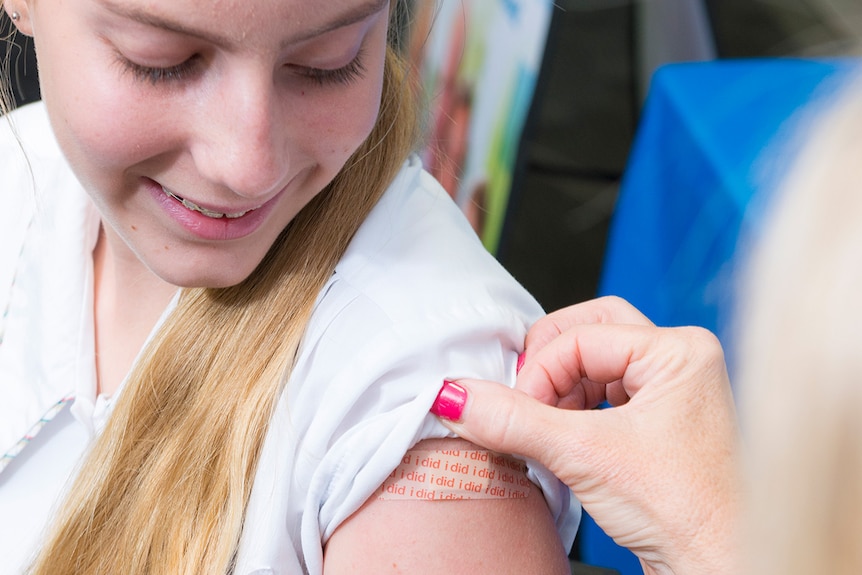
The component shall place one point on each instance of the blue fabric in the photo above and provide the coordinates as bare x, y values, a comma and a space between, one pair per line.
600, 550
695, 165
713, 137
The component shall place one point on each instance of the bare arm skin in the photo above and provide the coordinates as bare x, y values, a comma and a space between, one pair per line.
441, 537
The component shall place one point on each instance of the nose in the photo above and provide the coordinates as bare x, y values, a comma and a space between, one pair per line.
243, 140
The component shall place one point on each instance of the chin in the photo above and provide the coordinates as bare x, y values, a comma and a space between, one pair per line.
195, 266
212, 276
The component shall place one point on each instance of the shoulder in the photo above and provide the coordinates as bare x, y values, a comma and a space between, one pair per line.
30, 164
415, 299
38, 184
416, 253
26, 132
417, 293
33, 167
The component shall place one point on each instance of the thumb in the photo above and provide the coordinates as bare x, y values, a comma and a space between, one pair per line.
510, 421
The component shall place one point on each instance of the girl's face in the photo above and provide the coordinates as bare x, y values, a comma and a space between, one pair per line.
200, 129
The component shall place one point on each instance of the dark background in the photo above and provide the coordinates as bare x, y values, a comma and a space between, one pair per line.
586, 112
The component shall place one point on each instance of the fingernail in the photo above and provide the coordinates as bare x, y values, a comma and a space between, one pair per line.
450, 401
521, 359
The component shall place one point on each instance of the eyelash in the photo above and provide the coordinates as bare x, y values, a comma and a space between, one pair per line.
322, 77
345, 75
157, 76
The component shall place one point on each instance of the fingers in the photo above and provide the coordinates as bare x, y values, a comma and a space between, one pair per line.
619, 462
574, 445
587, 363
592, 363
609, 309
508, 421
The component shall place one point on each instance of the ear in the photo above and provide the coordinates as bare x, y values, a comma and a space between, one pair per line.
19, 13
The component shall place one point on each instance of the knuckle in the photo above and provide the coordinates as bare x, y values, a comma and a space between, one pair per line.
702, 347
612, 301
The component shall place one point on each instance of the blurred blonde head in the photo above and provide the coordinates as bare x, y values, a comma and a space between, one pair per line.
800, 360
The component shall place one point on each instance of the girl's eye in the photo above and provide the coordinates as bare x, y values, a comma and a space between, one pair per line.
156, 75
321, 76
344, 75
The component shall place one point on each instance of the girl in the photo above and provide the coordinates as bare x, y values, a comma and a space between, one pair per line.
230, 297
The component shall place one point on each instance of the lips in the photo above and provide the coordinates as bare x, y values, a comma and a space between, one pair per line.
205, 211
212, 223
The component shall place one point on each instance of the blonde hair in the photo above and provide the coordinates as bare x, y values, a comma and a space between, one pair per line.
6, 65
800, 360
165, 486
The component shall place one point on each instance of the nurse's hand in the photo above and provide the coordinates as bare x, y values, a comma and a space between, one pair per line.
659, 472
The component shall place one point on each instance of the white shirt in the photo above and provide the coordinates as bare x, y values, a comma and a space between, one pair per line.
415, 299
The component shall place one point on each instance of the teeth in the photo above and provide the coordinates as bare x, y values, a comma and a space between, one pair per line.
196, 208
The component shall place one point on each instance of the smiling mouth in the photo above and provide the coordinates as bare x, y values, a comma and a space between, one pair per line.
208, 213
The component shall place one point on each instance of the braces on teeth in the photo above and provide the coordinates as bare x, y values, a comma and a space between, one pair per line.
196, 208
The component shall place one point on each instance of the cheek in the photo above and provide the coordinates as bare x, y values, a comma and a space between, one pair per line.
339, 122
97, 130
340, 128
100, 121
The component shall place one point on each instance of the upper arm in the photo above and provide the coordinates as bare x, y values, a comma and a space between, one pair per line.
499, 535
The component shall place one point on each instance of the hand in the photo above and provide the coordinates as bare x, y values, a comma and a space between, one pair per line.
658, 473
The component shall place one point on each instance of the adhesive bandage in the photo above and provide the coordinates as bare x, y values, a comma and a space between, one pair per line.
456, 474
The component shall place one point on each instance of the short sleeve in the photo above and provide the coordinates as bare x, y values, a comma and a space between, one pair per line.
415, 299
374, 402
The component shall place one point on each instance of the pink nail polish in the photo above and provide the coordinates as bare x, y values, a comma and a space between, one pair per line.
450, 401
521, 359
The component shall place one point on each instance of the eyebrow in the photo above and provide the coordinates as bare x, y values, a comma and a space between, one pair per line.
354, 15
